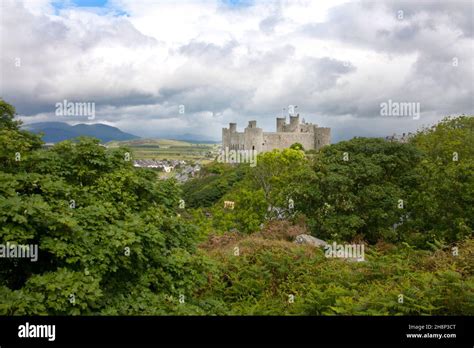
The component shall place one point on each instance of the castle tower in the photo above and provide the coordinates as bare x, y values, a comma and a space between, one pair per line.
322, 137
294, 123
231, 138
253, 137
281, 122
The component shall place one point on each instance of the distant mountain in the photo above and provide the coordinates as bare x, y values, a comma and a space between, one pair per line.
59, 131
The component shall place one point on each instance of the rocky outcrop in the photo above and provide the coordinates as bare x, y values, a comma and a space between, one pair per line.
306, 239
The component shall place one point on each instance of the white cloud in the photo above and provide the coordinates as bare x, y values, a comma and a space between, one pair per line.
139, 60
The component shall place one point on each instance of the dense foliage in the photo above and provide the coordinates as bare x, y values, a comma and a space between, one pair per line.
105, 230
114, 239
216, 180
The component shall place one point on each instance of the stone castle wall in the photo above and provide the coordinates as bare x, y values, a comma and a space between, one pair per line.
253, 138
285, 140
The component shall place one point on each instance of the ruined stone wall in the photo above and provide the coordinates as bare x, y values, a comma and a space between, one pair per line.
306, 128
286, 139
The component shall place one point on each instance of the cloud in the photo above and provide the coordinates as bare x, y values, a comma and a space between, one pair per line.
228, 61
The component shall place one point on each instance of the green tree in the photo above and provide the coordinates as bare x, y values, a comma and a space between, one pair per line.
297, 146
17, 145
360, 188
442, 205
277, 174
103, 228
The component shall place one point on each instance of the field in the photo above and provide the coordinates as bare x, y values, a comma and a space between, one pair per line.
160, 149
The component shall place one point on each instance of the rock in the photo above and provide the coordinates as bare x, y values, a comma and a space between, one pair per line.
309, 240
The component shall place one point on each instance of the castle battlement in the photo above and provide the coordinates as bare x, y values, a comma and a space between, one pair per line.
253, 138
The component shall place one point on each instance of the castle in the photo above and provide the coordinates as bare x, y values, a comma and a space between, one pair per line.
307, 134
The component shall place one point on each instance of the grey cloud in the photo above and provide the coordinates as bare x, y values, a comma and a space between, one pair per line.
204, 98
268, 24
408, 32
425, 29
459, 12
357, 24
216, 88
321, 74
208, 51
50, 48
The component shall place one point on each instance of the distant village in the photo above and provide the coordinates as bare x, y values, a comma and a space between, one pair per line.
181, 170
404, 138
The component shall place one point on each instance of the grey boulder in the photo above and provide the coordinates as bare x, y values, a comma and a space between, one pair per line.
306, 239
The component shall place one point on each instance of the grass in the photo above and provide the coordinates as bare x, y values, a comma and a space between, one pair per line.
159, 149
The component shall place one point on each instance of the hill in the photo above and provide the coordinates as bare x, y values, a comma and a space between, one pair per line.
58, 131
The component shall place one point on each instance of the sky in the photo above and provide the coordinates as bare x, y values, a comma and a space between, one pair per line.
227, 61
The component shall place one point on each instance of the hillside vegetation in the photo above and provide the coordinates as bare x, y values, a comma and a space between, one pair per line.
116, 240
